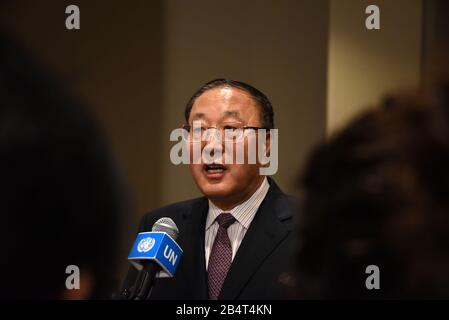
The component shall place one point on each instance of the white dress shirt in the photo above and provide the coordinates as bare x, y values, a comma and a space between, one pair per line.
243, 213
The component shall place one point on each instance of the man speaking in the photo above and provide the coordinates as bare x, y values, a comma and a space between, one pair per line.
236, 239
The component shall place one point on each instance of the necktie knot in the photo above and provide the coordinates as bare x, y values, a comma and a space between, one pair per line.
225, 220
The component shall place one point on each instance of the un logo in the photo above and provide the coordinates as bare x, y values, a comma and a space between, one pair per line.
146, 244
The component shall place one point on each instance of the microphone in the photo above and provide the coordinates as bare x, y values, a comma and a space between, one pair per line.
155, 254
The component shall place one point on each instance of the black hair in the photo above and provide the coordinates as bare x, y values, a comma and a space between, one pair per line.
267, 114
377, 193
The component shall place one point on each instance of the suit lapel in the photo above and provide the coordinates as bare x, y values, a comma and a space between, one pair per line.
195, 265
265, 233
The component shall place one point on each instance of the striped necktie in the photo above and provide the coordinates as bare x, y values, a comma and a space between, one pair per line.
221, 256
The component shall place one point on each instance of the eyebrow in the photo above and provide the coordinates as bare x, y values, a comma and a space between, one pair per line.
226, 114
198, 115
231, 113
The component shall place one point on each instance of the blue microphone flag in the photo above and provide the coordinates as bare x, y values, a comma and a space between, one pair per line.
158, 247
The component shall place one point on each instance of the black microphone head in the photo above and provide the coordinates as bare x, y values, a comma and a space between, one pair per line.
166, 225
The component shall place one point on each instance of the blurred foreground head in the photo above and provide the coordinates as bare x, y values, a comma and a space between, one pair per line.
59, 198
377, 193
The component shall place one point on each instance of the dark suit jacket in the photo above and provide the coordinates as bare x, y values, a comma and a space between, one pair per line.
261, 267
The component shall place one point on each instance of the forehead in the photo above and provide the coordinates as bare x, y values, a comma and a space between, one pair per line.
225, 102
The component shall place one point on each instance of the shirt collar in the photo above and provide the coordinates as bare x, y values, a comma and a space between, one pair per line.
244, 212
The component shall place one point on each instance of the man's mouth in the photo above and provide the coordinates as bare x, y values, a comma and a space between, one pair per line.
214, 170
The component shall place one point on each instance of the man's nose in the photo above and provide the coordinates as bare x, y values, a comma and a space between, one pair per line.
214, 146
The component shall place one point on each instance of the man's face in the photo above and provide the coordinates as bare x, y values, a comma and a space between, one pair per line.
221, 107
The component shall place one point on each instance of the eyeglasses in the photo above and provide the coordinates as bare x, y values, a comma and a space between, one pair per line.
231, 132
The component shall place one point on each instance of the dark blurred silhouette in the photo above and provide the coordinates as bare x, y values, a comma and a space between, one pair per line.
377, 193
59, 189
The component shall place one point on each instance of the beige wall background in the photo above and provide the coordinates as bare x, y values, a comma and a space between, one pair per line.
364, 65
